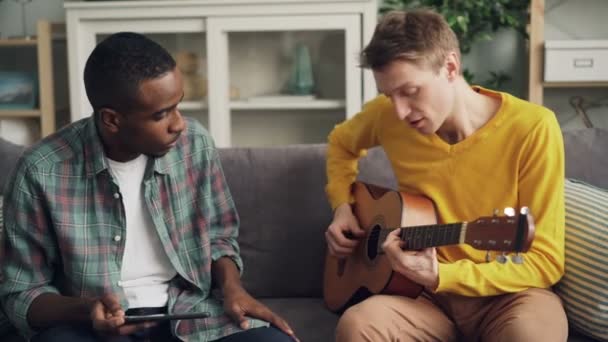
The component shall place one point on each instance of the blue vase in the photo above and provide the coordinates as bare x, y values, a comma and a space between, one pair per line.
301, 81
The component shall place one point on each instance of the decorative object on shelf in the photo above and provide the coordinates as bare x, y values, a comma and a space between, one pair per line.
195, 86
24, 18
235, 93
473, 21
301, 81
576, 60
582, 104
18, 90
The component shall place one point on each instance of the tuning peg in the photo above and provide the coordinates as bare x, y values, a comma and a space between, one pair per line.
517, 259
508, 211
524, 210
502, 258
488, 256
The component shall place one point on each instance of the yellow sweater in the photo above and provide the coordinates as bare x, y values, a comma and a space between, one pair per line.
516, 159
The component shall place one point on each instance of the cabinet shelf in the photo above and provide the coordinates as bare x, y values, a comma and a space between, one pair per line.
20, 113
193, 105
247, 105
315, 104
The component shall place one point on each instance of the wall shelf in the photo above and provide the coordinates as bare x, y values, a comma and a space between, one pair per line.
20, 113
18, 42
536, 83
575, 84
46, 32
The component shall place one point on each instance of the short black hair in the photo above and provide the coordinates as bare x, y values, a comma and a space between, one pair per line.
117, 66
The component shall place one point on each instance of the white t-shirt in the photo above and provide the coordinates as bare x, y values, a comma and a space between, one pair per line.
146, 268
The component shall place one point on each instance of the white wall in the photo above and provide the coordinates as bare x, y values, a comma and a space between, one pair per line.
10, 15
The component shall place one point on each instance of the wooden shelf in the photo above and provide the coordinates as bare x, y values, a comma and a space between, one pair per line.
536, 45
575, 84
536, 84
20, 113
18, 42
42, 42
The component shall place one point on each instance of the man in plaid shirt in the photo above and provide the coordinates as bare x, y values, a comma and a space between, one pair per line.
125, 213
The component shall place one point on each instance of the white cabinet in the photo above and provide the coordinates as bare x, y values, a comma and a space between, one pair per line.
246, 52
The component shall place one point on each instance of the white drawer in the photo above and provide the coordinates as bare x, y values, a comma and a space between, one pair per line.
576, 60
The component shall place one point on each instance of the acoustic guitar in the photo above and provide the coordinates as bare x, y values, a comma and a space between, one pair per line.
367, 271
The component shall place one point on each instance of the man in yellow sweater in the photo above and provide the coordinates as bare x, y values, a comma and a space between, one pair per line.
470, 150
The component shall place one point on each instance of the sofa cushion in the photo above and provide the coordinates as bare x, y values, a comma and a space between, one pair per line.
584, 287
279, 193
586, 160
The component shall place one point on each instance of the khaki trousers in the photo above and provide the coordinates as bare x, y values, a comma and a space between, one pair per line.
532, 315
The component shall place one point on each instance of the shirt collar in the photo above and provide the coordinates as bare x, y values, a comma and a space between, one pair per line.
162, 165
95, 161
94, 154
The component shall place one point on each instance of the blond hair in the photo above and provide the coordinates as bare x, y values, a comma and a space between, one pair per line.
415, 36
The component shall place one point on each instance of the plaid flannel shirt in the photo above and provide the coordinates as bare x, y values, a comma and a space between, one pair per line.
64, 222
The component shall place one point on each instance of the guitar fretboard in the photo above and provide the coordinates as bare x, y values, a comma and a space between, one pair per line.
419, 237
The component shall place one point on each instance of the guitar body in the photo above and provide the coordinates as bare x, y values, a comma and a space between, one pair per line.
379, 211
367, 271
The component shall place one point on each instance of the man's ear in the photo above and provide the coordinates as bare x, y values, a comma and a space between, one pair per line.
452, 64
110, 119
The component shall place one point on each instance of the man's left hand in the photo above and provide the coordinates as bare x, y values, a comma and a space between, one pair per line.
420, 266
238, 304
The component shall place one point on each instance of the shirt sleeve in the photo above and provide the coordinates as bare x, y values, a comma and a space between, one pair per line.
28, 248
347, 143
541, 188
223, 218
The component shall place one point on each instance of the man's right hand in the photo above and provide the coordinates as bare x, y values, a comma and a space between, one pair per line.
343, 233
108, 318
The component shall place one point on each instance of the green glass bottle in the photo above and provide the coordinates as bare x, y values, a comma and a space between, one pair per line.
301, 81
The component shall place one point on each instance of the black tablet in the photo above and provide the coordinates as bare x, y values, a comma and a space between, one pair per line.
164, 317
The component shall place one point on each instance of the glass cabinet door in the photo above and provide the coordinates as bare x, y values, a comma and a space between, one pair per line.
185, 39
282, 80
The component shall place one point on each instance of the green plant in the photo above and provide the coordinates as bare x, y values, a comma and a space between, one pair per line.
473, 21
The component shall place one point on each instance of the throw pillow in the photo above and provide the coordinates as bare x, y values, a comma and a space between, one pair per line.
584, 287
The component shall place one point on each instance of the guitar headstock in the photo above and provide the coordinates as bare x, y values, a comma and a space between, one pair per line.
509, 233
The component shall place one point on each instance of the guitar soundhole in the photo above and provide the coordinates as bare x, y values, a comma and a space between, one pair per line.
372, 243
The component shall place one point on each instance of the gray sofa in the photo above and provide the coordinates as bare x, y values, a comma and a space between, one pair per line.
279, 193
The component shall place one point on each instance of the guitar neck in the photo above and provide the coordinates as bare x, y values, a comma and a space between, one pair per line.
419, 237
